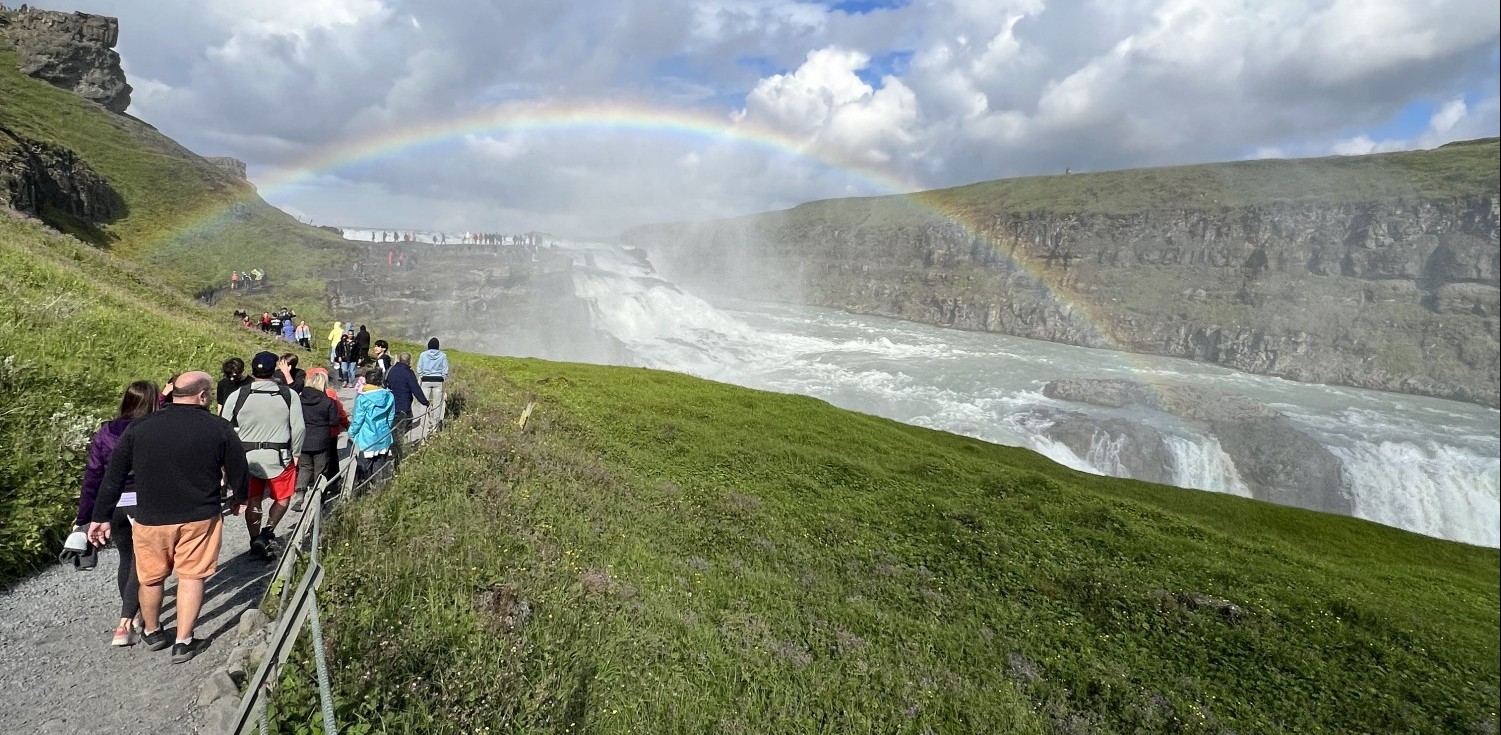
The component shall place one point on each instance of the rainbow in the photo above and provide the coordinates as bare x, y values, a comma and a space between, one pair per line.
641, 119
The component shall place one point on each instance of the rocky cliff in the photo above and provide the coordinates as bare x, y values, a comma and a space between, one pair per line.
1376, 271
74, 51
53, 184
497, 299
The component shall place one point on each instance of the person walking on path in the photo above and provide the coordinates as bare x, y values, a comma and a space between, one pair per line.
139, 400
268, 418
323, 418
288, 330
234, 378
404, 387
304, 335
381, 355
432, 371
371, 427
344, 355
361, 346
178, 455
333, 342
287, 372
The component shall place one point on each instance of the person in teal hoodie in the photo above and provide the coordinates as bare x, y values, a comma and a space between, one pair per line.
372, 424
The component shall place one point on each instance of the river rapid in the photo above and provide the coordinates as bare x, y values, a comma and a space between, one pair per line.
1422, 464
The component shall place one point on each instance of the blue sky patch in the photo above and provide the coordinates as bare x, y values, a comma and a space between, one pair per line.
894, 63
861, 7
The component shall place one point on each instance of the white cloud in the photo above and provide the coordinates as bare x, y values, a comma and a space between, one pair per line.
936, 92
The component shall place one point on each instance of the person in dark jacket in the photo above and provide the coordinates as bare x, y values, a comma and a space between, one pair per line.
344, 353
361, 346
402, 383
324, 419
139, 400
179, 456
234, 378
287, 372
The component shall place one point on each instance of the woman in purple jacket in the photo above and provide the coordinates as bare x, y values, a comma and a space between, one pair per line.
139, 399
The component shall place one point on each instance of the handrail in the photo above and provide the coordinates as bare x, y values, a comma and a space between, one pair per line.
302, 607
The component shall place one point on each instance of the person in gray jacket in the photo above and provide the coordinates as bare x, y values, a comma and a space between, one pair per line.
432, 372
268, 418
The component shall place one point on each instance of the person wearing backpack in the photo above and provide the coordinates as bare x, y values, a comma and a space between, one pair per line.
324, 419
267, 416
371, 427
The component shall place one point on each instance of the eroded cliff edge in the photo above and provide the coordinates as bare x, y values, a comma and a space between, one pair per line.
1374, 271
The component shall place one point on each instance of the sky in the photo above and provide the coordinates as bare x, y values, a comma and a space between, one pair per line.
585, 118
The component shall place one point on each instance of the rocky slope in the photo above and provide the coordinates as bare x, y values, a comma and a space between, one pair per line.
500, 299
74, 51
1377, 271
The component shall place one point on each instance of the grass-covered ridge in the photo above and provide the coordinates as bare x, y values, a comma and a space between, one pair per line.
664, 554
188, 217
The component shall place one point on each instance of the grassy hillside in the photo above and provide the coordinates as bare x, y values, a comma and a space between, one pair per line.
193, 220
80, 320
663, 554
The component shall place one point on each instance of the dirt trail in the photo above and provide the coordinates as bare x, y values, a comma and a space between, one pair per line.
58, 673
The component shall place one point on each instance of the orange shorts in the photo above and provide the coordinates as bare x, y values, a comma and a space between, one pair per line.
190, 549
282, 486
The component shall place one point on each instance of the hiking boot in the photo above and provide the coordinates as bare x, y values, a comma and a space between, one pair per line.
260, 548
125, 635
267, 538
299, 501
184, 652
157, 640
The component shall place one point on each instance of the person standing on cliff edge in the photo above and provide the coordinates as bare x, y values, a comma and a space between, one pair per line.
178, 456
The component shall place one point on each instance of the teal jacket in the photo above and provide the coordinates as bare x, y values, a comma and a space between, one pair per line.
374, 416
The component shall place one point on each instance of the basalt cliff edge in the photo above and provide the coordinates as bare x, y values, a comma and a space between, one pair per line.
1370, 271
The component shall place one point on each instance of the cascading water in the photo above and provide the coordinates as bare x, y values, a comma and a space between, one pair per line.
1422, 464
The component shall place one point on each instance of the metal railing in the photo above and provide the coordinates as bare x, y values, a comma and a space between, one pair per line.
300, 607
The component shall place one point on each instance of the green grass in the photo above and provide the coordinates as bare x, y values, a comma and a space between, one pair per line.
663, 554
184, 215
80, 320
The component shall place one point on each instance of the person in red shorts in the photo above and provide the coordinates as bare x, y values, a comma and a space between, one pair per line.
268, 418
177, 456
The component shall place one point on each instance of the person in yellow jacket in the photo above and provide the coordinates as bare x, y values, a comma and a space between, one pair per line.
333, 340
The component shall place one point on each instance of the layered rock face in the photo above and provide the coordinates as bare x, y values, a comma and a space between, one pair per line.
52, 183
496, 299
233, 165
74, 51
1392, 293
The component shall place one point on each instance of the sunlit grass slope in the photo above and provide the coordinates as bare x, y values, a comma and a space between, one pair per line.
661, 554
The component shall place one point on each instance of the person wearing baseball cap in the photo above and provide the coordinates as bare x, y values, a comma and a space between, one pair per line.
268, 418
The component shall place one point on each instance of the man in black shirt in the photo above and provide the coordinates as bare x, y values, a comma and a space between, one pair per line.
178, 456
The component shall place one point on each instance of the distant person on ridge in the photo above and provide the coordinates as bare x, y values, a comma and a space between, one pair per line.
268, 418
304, 335
139, 400
404, 387
178, 455
288, 330
432, 371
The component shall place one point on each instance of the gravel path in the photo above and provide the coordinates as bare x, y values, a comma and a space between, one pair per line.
59, 674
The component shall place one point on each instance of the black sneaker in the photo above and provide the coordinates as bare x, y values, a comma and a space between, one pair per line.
259, 548
157, 640
184, 652
268, 538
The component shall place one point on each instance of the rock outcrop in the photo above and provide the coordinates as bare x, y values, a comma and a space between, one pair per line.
233, 165
1368, 274
74, 51
1278, 462
54, 185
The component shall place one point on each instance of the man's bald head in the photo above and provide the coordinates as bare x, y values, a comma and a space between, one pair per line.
191, 386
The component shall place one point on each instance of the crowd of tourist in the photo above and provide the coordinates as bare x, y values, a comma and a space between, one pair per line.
161, 475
